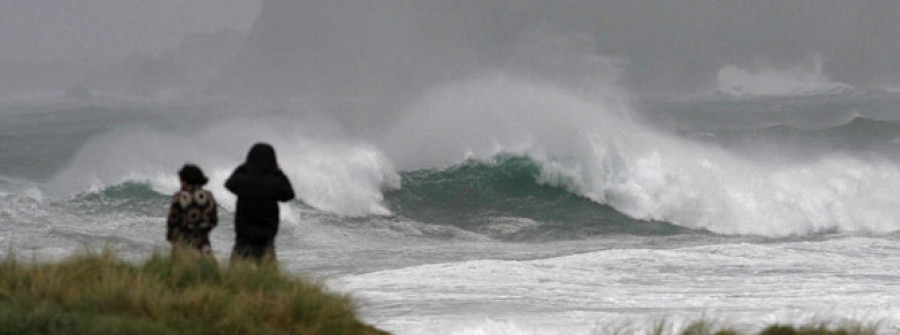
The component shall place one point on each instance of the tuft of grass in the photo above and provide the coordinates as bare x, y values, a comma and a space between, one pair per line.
97, 293
852, 329
705, 327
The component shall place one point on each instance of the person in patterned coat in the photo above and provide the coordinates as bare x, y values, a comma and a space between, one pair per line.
192, 214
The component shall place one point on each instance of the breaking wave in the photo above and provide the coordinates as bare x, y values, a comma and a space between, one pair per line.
504, 199
591, 148
341, 176
578, 160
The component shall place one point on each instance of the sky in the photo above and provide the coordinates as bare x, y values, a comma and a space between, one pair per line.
51, 30
365, 50
377, 47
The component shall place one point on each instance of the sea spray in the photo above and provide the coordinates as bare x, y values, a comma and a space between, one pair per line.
342, 176
806, 78
585, 145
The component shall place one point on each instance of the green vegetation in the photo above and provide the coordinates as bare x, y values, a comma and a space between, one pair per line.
818, 330
708, 328
94, 293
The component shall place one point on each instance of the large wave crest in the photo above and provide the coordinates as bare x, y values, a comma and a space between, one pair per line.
589, 146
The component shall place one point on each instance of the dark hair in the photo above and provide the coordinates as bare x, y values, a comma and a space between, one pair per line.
192, 175
261, 159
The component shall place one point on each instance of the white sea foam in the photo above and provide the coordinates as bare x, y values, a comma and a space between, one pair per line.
667, 180
587, 144
742, 285
340, 176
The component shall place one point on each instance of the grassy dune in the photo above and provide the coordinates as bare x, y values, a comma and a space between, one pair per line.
94, 293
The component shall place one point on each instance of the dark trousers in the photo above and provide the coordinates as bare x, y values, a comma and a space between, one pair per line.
253, 249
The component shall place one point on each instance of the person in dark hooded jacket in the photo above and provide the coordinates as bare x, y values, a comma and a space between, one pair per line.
259, 185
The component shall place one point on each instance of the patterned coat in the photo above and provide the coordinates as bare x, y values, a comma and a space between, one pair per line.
192, 215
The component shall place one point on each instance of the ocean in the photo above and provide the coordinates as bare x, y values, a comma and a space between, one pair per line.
503, 205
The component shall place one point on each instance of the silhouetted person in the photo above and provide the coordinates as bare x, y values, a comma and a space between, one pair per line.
192, 214
259, 185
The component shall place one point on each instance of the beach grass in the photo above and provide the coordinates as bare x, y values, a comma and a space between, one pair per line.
98, 293
703, 327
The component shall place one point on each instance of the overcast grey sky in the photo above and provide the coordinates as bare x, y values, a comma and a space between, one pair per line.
42, 30
379, 47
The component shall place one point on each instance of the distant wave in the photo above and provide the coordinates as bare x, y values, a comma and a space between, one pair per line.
12, 184
864, 123
128, 190
803, 79
857, 136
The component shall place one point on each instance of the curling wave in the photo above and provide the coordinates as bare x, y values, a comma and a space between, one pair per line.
589, 146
